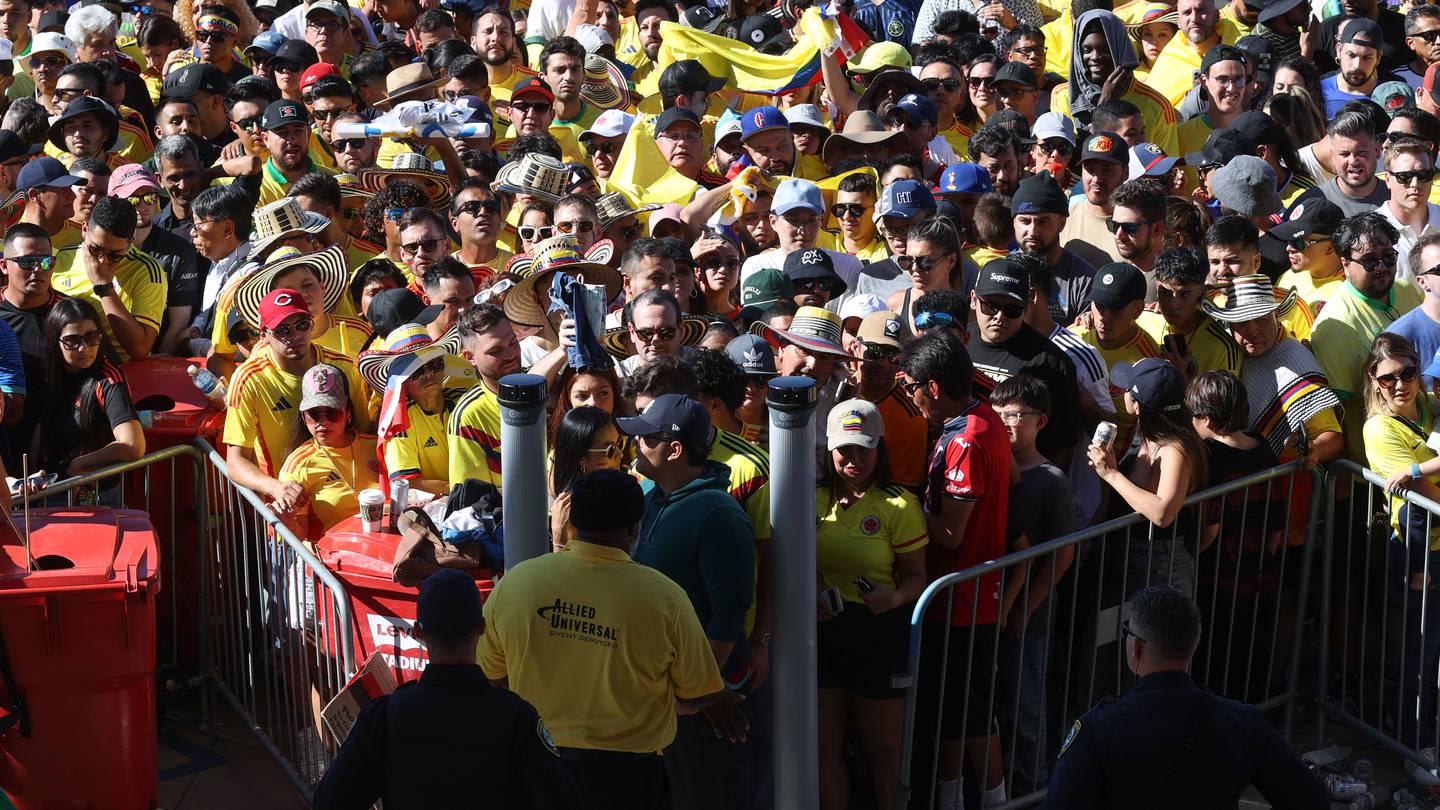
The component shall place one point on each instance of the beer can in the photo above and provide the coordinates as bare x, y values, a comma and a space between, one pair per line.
399, 500
1105, 434
1344, 787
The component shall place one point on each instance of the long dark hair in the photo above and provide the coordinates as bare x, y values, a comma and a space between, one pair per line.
830, 479
94, 424
560, 395
573, 437
1159, 426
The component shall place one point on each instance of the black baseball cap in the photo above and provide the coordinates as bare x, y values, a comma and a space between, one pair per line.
1223, 53
449, 608
1223, 146
1259, 128
1105, 146
1014, 121
764, 33
1117, 284
673, 116
1015, 73
283, 112
808, 264
673, 414
196, 77
13, 146
1362, 31
687, 76
1004, 278
1261, 53
1038, 194
1310, 216
295, 52
1270, 9
606, 501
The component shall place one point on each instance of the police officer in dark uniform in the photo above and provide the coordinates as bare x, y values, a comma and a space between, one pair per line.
450, 739
1169, 743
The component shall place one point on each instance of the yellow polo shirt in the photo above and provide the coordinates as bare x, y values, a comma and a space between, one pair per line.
1210, 343
864, 539
1162, 123
1311, 290
1139, 347
600, 645
1392, 446
1174, 71
140, 283
334, 477
262, 405
473, 435
423, 451
274, 185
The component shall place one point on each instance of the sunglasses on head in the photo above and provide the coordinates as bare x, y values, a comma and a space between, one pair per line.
1011, 311
77, 342
394, 214
299, 327
928, 320
1130, 228
319, 415
647, 333
1405, 375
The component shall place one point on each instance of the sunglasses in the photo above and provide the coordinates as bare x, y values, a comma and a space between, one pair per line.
353, 212
647, 334
211, 36
251, 124
629, 232
348, 144
427, 245
812, 285
711, 265
1428, 36
1011, 311
92, 338
319, 415
910, 387
1130, 228
300, 327
50, 62
602, 148
430, 369
852, 210
148, 199
578, 226
981, 81
535, 233
948, 85
1057, 146
1300, 243
927, 320
475, 207
922, 263
1406, 178
524, 107
68, 93
889, 354
1405, 375
612, 451
1375, 265
31, 263
326, 115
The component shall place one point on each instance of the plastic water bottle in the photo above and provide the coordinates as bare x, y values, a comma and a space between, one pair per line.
147, 419
209, 384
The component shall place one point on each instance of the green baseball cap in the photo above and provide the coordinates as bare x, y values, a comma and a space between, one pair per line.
761, 289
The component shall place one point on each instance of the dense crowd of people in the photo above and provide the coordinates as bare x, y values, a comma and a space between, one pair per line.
984, 229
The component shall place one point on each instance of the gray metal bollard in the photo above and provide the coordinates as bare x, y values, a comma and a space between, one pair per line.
522, 471
793, 655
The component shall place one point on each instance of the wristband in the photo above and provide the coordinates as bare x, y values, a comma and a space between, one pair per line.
1414, 472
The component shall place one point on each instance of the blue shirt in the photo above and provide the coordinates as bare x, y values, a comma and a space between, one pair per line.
12, 365
1418, 328
893, 20
1335, 98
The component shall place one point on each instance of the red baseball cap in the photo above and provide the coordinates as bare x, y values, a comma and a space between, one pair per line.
533, 84
1429, 81
281, 304
316, 72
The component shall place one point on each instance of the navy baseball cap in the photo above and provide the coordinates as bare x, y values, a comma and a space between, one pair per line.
904, 199
1038, 194
674, 414
965, 178
919, 107
761, 119
1154, 383
44, 172
449, 607
1223, 146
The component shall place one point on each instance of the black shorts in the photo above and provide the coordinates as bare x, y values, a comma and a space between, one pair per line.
968, 675
862, 652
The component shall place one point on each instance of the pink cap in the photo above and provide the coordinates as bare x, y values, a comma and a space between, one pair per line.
131, 178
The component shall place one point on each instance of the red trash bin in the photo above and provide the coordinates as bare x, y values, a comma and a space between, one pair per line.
179, 414
383, 609
80, 636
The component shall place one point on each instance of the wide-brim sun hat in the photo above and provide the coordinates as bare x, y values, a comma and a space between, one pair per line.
1249, 297
85, 105
604, 86
409, 348
536, 175
862, 128
328, 264
614, 206
280, 220
616, 340
558, 255
813, 329
435, 184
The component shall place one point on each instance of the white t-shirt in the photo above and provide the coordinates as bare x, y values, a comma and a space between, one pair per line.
847, 267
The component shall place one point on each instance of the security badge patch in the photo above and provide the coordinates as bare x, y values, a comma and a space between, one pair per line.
1069, 738
546, 740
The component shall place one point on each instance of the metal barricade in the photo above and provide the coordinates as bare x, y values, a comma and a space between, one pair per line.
282, 628
1380, 623
998, 686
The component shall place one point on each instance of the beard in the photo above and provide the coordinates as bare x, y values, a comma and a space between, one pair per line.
493, 60
1356, 78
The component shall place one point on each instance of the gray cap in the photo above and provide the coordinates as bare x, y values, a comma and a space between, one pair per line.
753, 355
1246, 185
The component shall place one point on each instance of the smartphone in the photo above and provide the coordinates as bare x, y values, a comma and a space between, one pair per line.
863, 585
831, 597
1175, 344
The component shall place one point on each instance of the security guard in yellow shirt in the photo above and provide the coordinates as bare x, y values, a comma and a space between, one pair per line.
627, 640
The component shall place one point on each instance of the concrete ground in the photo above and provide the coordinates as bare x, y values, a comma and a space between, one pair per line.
222, 767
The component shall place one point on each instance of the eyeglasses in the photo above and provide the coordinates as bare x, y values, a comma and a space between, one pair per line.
711, 265
612, 450
576, 226
326, 25
475, 207
948, 85
928, 320
1057, 146
1011, 311
348, 144
326, 115
922, 263
852, 210
1406, 178
1125, 630
1130, 228
31, 264
537, 107
601, 148
68, 93
535, 233
1015, 417
1376, 264
1405, 375
147, 199
1300, 243
430, 369
889, 354
100, 254
77, 342
1028, 50
981, 81
801, 224
647, 334
251, 124
319, 415
427, 245
49, 62
1229, 81
218, 37
300, 327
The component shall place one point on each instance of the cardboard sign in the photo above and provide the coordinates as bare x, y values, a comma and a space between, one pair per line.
373, 680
